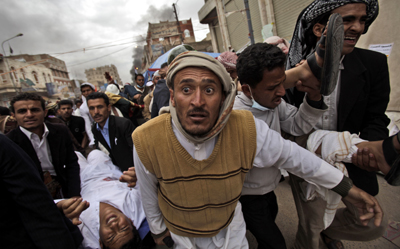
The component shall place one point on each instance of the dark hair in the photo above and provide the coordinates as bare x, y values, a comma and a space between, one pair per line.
165, 64
27, 96
65, 102
135, 242
139, 74
4, 111
257, 58
78, 101
98, 95
310, 38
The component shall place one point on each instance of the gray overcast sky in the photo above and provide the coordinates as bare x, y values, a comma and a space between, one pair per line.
57, 26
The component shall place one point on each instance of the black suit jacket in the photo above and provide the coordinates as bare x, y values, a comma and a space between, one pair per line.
29, 217
64, 159
120, 133
364, 96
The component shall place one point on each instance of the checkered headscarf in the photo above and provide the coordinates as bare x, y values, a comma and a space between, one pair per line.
298, 49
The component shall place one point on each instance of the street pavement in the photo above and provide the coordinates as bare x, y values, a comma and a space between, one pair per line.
389, 198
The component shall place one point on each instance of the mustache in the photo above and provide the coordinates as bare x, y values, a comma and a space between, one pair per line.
97, 115
198, 110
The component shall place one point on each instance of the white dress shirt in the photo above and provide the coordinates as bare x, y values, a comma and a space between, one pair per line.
100, 183
42, 149
328, 121
272, 151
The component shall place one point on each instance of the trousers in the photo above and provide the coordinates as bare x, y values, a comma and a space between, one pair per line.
259, 212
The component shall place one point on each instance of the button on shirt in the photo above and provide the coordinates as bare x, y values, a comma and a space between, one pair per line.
105, 132
42, 149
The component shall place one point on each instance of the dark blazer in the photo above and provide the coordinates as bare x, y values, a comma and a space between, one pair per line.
161, 97
64, 159
120, 132
29, 217
364, 96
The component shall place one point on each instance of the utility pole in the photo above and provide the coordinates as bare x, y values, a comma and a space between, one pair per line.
177, 23
246, 5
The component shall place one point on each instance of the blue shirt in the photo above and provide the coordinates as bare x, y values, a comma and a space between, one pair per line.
105, 132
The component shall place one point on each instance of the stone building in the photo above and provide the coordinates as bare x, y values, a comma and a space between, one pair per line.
24, 77
165, 35
97, 78
58, 68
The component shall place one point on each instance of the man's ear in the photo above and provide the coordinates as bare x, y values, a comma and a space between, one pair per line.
45, 112
246, 91
109, 107
171, 96
13, 114
317, 29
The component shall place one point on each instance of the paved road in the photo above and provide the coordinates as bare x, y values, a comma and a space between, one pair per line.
389, 197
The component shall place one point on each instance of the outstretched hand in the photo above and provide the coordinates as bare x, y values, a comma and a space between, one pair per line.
367, 206
129, 177
72, 208
370, 157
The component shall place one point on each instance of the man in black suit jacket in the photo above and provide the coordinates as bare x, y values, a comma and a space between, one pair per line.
357, 105
29, 217
364, 80
48, 145
112, 133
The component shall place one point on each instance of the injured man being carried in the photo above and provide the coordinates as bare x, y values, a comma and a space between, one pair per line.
109, 214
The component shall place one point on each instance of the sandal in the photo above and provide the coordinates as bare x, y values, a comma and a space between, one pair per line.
332, 243
332, 52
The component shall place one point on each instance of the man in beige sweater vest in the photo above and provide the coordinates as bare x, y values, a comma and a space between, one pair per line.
191, 166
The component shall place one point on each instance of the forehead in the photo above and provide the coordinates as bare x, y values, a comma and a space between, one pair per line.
28, 104
86, 88
352, 9
274, 76
196, 74
98, 101
140, 77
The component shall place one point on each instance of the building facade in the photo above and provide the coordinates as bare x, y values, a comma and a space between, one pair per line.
165, 35
18, 75
97, 78
228, 22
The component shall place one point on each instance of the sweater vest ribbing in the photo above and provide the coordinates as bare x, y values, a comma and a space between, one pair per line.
198, 198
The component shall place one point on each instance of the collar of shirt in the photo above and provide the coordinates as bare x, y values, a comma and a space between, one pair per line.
31, 134
105, 125
197, 151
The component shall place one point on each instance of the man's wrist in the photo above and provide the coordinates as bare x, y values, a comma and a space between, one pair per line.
156, 236
343, 187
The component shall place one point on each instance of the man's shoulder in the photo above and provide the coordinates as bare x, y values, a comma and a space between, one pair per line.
365, 54
14, 134
77, 119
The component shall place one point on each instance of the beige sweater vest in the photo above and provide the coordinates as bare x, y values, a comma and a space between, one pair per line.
198, 198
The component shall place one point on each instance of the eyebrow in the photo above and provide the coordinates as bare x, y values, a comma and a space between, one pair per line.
209, 81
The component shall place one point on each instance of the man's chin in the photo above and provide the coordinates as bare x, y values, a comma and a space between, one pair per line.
196, 132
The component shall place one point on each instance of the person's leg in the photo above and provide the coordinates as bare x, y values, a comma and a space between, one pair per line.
259, 213
310, 215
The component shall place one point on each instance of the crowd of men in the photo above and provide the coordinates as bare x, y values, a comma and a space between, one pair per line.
191, 159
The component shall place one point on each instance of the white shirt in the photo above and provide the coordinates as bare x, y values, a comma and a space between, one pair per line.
84, 111
42, 149
100, 183
287, 117
328, 121
272, 151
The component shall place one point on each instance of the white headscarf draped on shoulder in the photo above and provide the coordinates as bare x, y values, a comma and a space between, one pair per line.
318, 8
198, 59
